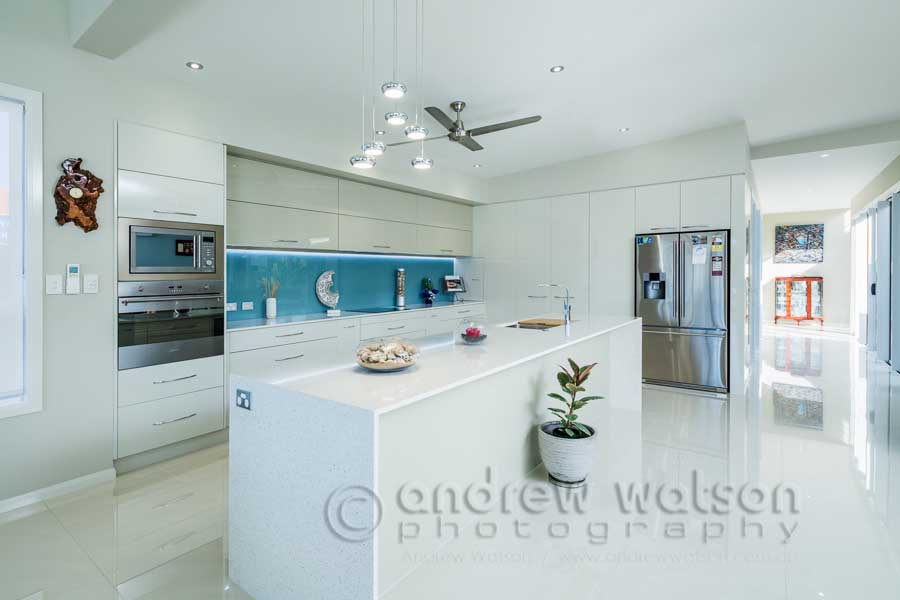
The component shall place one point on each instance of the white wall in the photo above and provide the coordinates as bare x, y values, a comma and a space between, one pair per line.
83, 96
835, 268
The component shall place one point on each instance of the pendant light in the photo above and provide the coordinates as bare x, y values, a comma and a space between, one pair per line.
394, 89
416, 131
366, 160
395, 118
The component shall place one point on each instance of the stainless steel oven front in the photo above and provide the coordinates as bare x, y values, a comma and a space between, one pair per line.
156, 327
152, 250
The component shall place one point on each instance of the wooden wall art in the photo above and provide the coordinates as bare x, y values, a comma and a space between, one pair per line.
76, 194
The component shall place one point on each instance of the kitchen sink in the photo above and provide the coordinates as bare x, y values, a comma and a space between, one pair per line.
531, 326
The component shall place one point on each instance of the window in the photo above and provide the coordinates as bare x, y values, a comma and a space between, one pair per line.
21, 267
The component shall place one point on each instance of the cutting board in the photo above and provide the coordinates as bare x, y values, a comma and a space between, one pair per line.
543, 322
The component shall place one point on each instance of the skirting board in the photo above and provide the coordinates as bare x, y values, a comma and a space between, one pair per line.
59, 489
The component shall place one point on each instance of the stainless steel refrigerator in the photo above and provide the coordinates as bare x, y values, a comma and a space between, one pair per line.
681, 293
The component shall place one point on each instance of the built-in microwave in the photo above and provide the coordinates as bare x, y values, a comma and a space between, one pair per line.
152, 250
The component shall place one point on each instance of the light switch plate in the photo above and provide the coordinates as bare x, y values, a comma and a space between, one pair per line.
230, 306
54, 285
91, 283
246, 306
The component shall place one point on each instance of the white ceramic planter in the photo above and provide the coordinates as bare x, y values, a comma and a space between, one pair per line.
271, 308
567, 460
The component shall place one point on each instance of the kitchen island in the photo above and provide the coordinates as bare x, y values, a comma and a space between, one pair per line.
319, 464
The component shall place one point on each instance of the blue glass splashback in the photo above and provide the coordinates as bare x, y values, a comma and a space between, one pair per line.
363, 281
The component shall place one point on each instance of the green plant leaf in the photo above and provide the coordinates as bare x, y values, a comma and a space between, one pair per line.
584, 372
563, 378
558, 411
589, 398
572, 417
569, 432
557, 397
578, 404
582, 428
575, 369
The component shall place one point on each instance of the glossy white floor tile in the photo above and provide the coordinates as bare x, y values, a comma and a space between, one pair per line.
817, 416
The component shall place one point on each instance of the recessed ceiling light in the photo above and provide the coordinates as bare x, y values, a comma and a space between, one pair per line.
193, 65
380, 132
362, 161
824, 155
477, 165
557, 69
624, 129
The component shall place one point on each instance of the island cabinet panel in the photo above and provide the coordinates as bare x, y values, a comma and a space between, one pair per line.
706, 204
569, 253
441, 241
658, 208
261, 226
362, 200
150, 150
359, 234
612, 252
148, 196
263, 183
440, 213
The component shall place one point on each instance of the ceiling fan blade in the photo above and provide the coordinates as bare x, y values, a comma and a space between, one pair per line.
441, 117
443, 136
471, 144
504, 125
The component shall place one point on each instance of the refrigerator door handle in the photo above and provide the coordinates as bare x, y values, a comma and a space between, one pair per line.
675, 278
717, 334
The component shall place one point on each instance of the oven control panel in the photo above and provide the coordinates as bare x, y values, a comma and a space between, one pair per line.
207, 257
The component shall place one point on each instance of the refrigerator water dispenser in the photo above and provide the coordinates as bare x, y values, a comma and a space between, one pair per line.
654, 286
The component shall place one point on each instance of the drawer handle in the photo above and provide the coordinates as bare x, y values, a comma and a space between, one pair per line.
473, 279
175, 212
184, 418
445, 250
463, 312
287, 241
693, 226
289, 358
396, 328
181, 498
174, 542
174, 380
661, 228
350, 327
377, 246
563, 297
530, 296
290, 334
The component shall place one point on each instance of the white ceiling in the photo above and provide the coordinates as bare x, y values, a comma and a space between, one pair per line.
661, 68
803, 182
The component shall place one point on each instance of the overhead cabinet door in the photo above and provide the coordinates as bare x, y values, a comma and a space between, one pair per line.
146, 196
262, 183
361, 200
440, 241
657, 208
151, 150
359, 234
706, 204
440, 213
260, 226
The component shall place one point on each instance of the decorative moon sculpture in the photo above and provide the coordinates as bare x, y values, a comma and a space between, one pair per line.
326, 295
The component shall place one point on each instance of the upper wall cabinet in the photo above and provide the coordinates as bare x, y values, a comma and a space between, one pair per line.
264, 183
145, 196
658, 207
361, 200
359, 234
440, 213
151, 150
442, 241
263, 226
706, 203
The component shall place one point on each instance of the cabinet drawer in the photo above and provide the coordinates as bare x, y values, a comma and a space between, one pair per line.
169, 420
266, 337
151, 150
468, 311
145, 196
162, 381
284, 362
262, 183
394, 328
440, 241
262, 226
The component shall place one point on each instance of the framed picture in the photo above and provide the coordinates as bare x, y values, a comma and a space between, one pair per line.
184, 247
800, 243
454, 283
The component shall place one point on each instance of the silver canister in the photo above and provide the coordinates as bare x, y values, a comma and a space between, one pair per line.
401, 288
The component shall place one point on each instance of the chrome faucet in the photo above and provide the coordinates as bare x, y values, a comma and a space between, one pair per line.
567, 303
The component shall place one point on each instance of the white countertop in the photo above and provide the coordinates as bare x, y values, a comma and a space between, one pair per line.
444, 365
345, 314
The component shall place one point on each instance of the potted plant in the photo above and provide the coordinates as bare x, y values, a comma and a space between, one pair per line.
428, 290
271, 286
567, 445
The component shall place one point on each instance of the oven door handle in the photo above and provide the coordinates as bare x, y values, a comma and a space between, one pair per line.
127, 301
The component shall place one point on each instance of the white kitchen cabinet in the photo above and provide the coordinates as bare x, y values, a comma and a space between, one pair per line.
440, 241
172, 379
241, 340
658, 207
472, 272
348, 339
612, 252
362, 200
532, 223
440, 213
495, 231
532, 300
261, 226
264, 183
281, 362
706, 204
570, 253
147, 196
358, 234
150, 150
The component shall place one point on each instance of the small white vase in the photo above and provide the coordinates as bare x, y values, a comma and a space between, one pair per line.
567, 460
271, 308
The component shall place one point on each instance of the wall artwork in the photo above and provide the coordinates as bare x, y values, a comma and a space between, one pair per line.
800, 243
76, 194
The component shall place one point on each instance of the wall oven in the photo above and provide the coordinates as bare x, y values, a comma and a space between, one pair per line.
152, 250
156, 327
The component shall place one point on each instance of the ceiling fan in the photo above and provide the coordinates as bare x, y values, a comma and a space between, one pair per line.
459, 133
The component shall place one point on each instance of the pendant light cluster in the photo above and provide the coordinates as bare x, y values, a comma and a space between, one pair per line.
393, 90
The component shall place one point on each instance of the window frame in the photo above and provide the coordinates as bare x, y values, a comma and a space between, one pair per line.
33, 156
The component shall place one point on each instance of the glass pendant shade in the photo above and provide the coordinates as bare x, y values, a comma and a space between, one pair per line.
393, 90
395, 118
361, 161
373, 148
416, 132
421, 163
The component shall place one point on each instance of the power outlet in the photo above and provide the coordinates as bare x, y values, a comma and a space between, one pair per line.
246, 305
242, 399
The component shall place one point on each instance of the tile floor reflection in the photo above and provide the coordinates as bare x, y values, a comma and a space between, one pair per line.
817, 416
